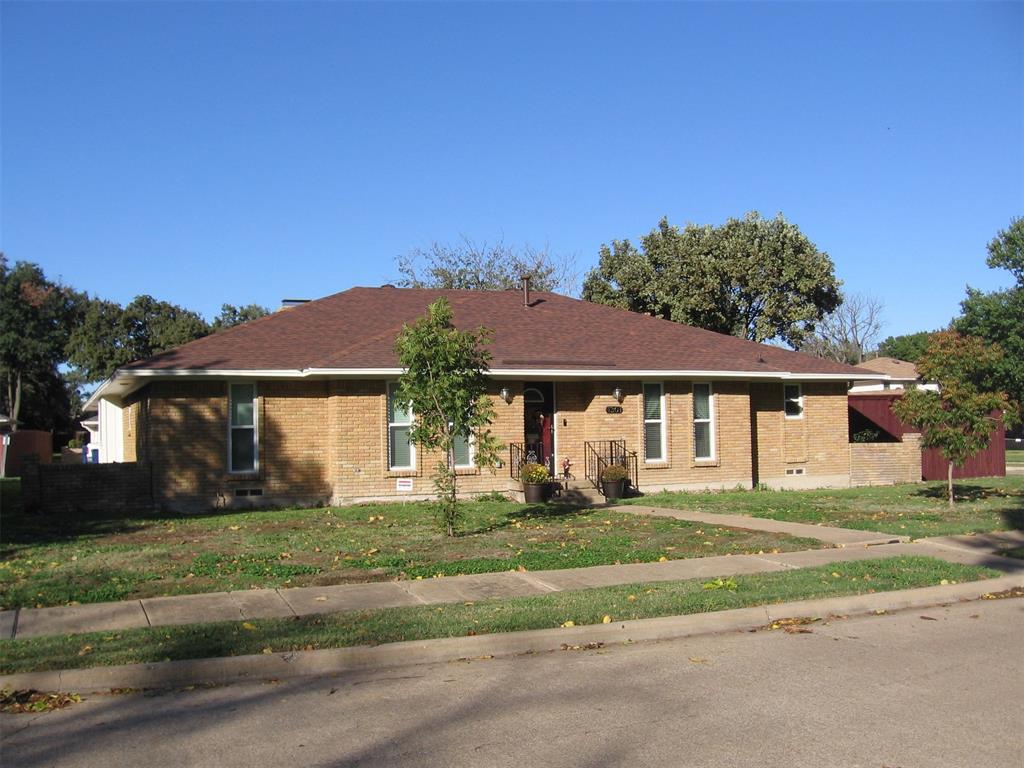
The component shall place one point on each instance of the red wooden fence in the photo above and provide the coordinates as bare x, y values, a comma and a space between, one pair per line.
988, 463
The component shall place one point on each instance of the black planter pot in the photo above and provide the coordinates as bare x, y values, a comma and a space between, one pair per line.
535, 493
613, 489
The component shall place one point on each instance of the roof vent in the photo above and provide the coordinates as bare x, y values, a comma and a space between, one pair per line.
387, 285
526, 290
285, 303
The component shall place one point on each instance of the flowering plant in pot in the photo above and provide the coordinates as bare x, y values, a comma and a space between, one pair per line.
613, 481
535, 479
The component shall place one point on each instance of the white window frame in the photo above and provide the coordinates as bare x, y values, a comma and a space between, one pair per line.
710, 420
255, 430
799, 400
662, 421
391, 386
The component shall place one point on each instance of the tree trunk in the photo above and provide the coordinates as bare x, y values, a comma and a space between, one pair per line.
450, 521
950, 481
15, 400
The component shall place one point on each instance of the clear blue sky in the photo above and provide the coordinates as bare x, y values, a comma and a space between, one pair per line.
232, 152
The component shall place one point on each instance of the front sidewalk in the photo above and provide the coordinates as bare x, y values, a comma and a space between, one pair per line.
299, 601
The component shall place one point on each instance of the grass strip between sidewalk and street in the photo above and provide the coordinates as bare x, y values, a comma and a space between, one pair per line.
386, 625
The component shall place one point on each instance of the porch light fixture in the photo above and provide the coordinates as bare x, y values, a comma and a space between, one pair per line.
618, 394
506, 395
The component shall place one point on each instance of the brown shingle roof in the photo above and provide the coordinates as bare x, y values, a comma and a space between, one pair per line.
356, 329
897, 369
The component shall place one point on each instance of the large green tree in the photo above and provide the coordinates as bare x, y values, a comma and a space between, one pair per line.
445, 384
998, 316
958, 419
760, 279
110, 336
909, 346
36, 314
486, 267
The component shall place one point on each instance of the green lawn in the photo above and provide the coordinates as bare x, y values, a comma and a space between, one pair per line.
1015, 457
634, 601
917, 510
53, 561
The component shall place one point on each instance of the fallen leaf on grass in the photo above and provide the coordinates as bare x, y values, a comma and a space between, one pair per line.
569, 623
248, 625
606, 620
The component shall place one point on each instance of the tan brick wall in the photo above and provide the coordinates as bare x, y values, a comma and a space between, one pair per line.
886, 463
327, 440
358, 454
582, 416
817, 443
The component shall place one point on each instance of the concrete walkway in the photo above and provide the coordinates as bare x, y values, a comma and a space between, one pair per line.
840, 537
301, 601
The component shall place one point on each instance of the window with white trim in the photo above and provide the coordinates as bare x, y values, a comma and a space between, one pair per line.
463, 450
703, 422
401, 451
654, 422
243, 435
794, 401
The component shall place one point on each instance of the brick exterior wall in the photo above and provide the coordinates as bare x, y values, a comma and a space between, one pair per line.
814, 448
87, 489
326, 441
886, 463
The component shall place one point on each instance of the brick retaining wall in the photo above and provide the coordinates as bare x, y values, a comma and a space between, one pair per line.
95, 489
886, 463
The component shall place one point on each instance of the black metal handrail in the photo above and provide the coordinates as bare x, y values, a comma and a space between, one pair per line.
600, 454
526, 453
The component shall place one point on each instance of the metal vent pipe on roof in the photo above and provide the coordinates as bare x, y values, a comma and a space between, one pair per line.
526, 290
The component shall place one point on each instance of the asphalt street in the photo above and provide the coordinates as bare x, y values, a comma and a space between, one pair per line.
939, 687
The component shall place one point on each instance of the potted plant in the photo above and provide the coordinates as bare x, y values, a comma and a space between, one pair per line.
535, 479
613, 481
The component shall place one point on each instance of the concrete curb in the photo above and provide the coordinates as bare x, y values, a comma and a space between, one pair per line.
335, 661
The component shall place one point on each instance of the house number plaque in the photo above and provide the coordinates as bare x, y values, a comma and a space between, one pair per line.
613, 409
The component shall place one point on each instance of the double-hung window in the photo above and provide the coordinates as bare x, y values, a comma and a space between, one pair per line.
654, 422
243, 435
463, 452
401, 452
794, 398
703, 422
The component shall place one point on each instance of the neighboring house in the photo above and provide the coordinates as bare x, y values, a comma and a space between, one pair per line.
298, 407
106, 431
902, 375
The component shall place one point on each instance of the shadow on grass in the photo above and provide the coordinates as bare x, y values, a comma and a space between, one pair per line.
531, 512
966, 492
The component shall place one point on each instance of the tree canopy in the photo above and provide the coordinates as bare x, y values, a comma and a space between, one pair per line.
110, 336
230, 315
36, 314
909, 346
483, 267
847, 333
760, 279
445, 384
998, 316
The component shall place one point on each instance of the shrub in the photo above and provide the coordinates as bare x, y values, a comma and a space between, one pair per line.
613, 473
866, 436
535, 473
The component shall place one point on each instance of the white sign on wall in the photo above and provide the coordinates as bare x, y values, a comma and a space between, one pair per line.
403, 484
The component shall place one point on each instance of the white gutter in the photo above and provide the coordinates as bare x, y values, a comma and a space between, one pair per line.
125, 382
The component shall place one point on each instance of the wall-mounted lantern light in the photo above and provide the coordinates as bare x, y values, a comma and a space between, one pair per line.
618, 394
506, 394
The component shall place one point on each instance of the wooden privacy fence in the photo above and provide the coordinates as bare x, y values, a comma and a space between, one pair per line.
88, 489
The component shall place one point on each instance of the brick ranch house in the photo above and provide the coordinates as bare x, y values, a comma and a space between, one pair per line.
297, 407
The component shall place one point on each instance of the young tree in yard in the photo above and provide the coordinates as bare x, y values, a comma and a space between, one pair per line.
959, 418
759, 279
445, 384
